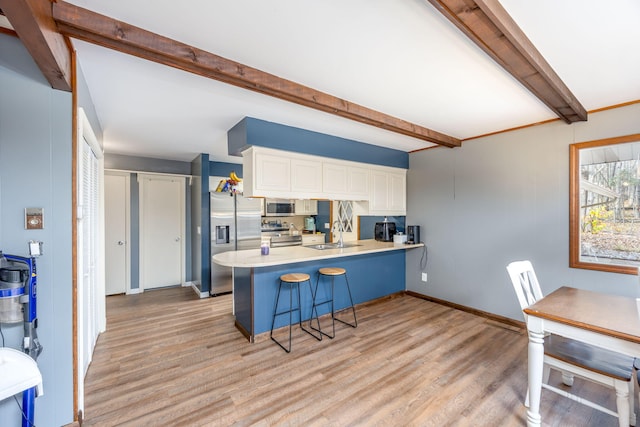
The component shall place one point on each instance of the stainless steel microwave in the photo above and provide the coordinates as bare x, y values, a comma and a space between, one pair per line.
279, 207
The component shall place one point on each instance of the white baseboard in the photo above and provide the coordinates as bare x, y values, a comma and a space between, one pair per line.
134, 291
196, 288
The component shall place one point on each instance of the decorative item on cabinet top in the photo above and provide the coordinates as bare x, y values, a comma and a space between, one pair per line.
233, 184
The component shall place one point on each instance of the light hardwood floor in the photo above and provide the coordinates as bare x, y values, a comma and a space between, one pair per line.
171, 359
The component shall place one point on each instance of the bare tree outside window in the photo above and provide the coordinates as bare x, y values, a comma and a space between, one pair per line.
605, 204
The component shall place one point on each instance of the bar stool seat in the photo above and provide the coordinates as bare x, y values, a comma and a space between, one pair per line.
332, 272
293, 280
294, 277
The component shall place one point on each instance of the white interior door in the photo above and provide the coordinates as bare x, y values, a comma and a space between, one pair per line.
117, 249
90, 292
162, 219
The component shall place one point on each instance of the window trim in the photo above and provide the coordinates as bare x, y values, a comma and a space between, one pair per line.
574, 206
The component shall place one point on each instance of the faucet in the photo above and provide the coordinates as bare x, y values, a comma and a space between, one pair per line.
340, 241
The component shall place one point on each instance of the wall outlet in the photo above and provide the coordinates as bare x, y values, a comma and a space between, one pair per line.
424, 277
327, 225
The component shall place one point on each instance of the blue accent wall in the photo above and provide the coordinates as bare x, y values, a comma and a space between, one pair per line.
205, 237
134, 211
323, 217
368, 224
250, 131
224, 169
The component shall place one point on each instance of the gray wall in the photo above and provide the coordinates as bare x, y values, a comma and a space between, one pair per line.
35, 171
499, 199
146, 164
86, 103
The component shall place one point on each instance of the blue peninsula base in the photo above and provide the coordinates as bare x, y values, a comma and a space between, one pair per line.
371, 276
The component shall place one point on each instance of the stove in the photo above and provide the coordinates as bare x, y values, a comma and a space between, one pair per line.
279, 241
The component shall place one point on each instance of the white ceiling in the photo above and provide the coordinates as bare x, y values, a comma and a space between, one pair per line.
399, 57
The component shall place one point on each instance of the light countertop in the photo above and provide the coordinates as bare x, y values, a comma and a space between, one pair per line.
292, 254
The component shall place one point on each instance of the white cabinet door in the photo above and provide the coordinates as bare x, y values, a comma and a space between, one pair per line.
388, 193
358, 183
306, 178
306, 207
397, 193
343, 182
379, 191
312, 239
334, 178
272, 173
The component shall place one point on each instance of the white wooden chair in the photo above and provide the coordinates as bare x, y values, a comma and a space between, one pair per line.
608, 368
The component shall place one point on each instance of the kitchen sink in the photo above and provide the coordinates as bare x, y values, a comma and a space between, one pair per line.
324, 246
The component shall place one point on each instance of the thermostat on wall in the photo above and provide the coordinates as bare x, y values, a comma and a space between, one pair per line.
33, 218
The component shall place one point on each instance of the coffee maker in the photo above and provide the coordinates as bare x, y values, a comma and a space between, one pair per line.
413, 234
384, 231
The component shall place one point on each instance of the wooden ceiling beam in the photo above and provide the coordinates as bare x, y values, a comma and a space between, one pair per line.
92, 27
489, 26
32, 21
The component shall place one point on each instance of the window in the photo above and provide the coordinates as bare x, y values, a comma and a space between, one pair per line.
604, 211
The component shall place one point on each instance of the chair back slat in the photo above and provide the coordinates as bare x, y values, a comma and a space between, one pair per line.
525, 283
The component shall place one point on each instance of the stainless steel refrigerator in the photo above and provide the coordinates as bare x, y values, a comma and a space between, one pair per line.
235, 225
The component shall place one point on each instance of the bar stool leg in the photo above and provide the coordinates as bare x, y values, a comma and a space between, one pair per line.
293, 282
313, 298
353, 309
329, 300
276, 313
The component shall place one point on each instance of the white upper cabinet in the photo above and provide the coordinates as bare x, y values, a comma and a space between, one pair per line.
282, 174
306, 177
306, 207
388, 192
342, 181
358, 183
273, 173
334, 178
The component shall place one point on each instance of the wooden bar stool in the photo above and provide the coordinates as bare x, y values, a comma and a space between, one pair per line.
293, 280
332, 272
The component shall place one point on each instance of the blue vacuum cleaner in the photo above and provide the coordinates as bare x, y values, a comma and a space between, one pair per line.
18, 296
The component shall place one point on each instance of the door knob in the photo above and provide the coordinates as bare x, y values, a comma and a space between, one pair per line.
177, 239
120, 242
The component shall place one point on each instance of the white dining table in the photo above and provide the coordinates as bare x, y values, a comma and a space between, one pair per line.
608, 321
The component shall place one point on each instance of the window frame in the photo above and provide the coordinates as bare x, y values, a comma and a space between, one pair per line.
574, 206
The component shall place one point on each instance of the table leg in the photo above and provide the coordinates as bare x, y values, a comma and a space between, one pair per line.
535, 364
622, 403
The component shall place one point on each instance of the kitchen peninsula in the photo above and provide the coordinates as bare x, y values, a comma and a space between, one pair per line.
375, 269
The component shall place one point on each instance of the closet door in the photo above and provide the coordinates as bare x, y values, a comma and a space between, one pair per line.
162, 229
117, 248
